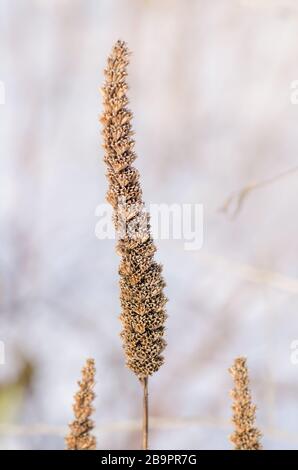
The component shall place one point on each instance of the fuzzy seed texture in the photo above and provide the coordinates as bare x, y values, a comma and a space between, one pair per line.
80, 437
141, 283
246, 436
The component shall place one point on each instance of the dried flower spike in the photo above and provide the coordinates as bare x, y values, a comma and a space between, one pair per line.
246, 436
141, 283
80, 437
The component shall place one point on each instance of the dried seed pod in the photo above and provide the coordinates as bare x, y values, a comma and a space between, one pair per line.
141, 283
80, 437
246, 436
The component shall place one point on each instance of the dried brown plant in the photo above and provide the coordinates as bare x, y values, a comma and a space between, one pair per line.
246, 436
80, 437
141, 283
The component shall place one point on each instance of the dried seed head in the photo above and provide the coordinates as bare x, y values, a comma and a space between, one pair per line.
141, 283
80, 437
246, 436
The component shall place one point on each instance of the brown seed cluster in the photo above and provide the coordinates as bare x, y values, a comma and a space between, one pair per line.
80, 437
246, 436
141, 283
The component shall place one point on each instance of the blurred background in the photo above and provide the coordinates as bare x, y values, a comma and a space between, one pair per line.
210, 88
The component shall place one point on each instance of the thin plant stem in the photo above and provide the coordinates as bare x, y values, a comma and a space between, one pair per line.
145, 414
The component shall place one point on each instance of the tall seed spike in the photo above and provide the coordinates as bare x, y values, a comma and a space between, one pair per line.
80, 430
142, 333
246, 436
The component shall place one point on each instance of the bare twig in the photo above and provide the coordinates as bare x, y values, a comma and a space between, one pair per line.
237, 198
252, 273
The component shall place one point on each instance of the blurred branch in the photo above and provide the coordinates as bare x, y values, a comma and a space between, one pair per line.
238, 198
268, 3
251, 273
133, 425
